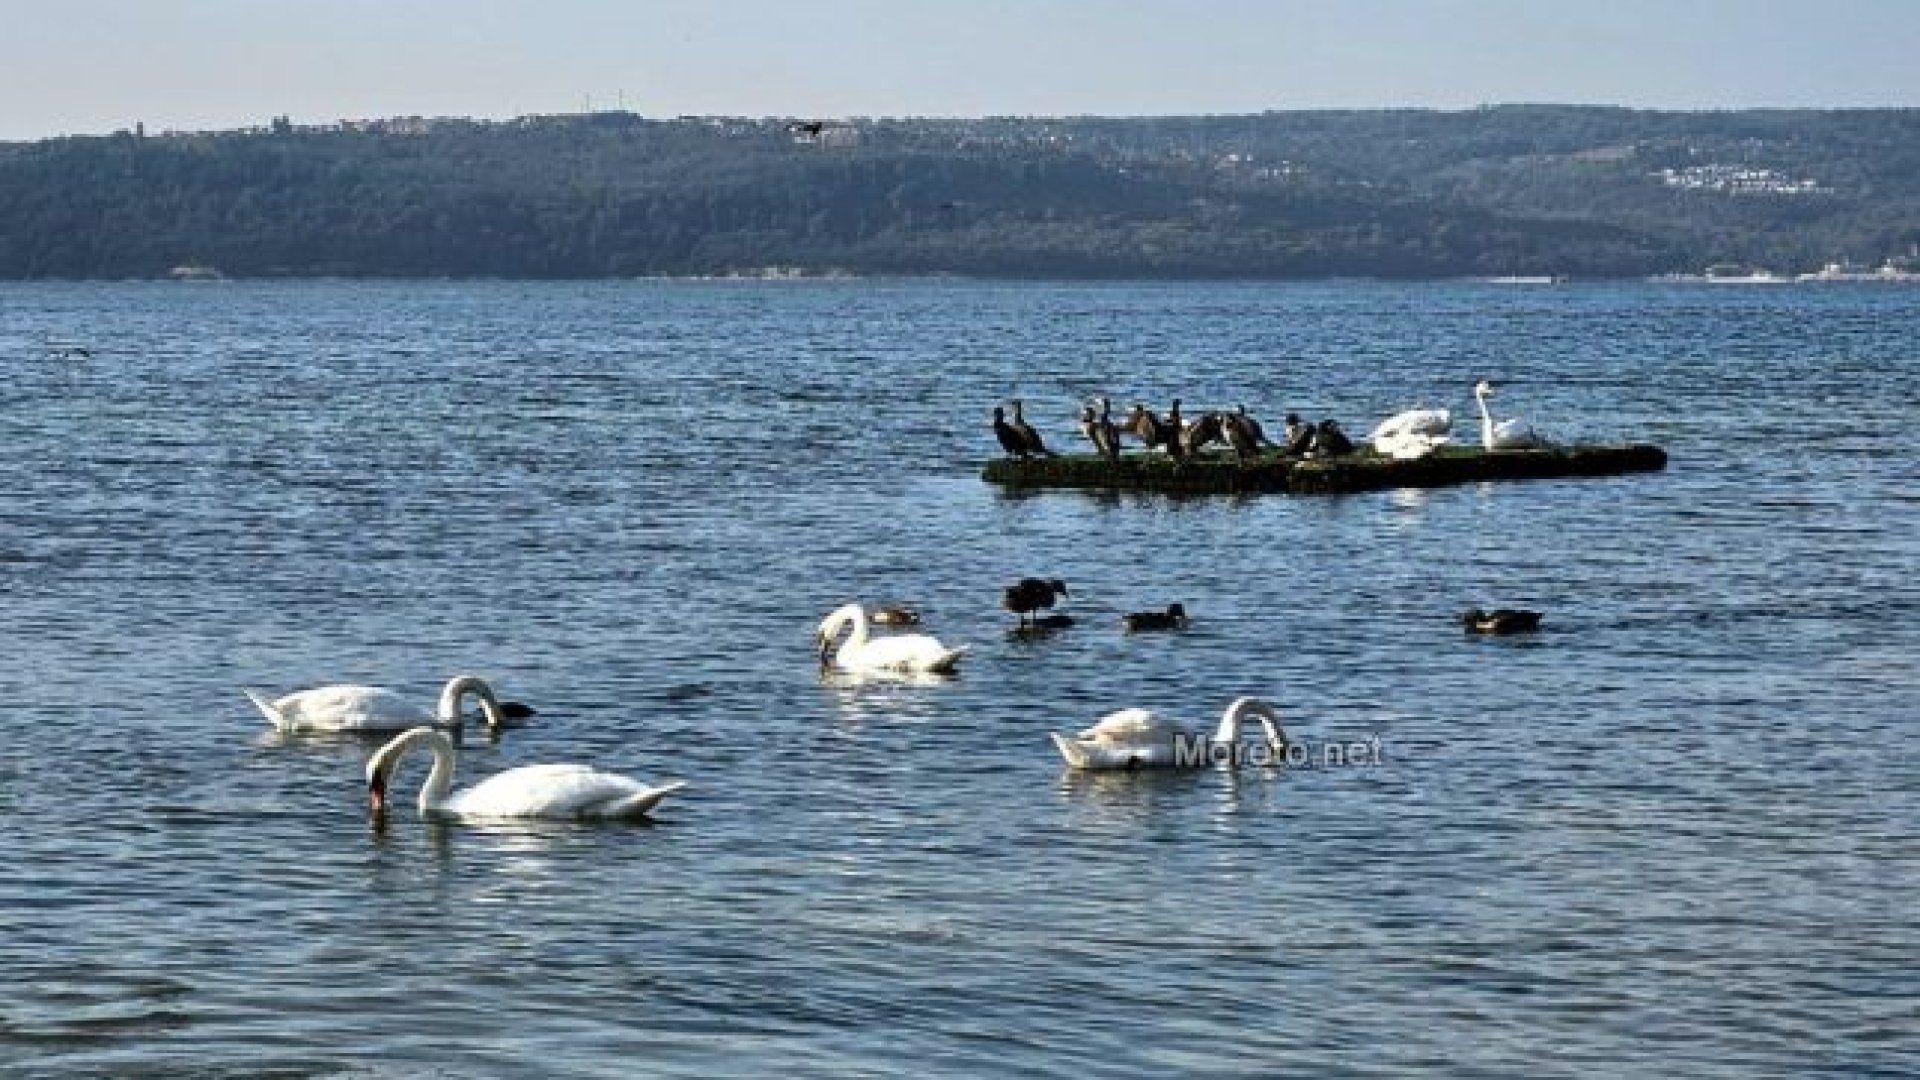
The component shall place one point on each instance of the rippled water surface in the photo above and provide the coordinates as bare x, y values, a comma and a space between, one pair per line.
1672, 834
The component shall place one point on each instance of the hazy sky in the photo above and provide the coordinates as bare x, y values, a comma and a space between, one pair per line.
90, 66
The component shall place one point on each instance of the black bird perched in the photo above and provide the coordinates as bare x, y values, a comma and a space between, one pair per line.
1028, 595
1145, 426
1251, 426
1500, 621
1028, 436
1174, 618
1239, 430
1108, 441
1089, 425
1010, 439
1175, 431
1299, 435
1330, 441
1198, 434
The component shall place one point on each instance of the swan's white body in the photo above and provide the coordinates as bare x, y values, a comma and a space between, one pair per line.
912, 653
1139, 738
1414, 433
544, 792
1512, 434
373, 708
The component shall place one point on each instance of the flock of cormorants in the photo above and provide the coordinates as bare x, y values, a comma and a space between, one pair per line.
1178, 436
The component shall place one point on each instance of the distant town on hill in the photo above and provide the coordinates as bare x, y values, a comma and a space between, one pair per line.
1561, 191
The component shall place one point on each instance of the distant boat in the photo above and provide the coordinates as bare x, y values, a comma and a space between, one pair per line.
1846, 270
1737, 274
1731, 274
1526, 279
195, 272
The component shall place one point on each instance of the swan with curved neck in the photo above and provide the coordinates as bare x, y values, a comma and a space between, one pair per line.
1141, 739
1510, 434
375, 708
545, 792
912, 653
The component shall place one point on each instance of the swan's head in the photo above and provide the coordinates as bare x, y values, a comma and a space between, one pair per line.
1483, 389
380, 774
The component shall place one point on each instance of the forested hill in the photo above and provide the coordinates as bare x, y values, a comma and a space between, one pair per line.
1579, 191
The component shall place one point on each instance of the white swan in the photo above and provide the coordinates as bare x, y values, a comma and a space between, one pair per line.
375, 708
546, 792
1414, 433
1139, 738
1512, 434
915, 653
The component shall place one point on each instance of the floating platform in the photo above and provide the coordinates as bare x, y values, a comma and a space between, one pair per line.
1221, 474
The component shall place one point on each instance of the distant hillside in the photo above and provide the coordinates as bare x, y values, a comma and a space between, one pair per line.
1581, 191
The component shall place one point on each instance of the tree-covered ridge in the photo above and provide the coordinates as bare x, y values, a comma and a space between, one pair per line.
1580, 191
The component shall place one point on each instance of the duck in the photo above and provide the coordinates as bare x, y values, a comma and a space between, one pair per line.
1510, 434
1029, 595
892, 653
1174, 618
356, 708
1500, 621
1141, 739
1041, 626
894, 615
564, 792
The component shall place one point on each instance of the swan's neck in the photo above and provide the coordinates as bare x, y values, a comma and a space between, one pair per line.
457, 689
440, 779
1228, 733
1486, 420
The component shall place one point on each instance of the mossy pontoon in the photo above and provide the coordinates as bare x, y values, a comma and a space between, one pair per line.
1360, 471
